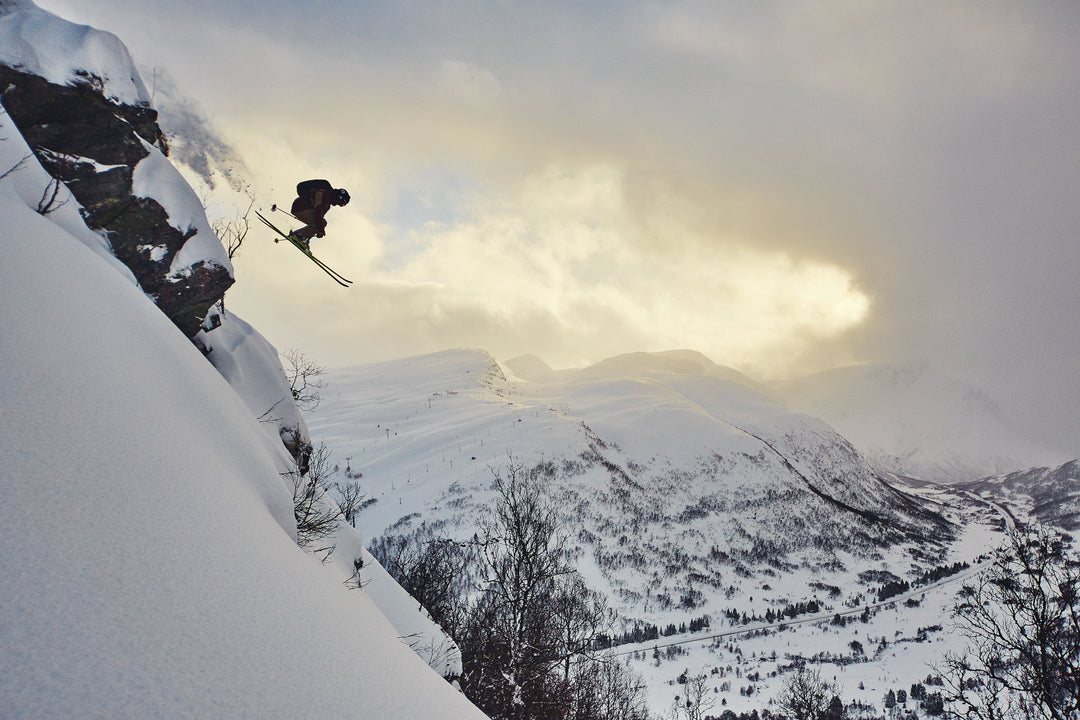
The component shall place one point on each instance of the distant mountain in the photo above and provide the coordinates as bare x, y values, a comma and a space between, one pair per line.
683, 485
530, 367
1048, 495
911, 420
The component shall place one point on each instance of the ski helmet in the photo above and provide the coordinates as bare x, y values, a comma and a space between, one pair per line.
341, 197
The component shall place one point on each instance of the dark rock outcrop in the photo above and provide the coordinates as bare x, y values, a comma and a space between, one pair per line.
93, 144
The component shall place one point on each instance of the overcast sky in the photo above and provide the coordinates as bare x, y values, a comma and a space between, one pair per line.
784, 186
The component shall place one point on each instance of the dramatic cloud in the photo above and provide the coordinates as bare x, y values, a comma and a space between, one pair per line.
783, 186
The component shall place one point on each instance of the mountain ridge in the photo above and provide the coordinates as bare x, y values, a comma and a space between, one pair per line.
688, 450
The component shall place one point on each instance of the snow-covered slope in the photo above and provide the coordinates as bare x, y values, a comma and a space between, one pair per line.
679, 485
914, 421
147, 538
148, 563
1046, 495
685, 492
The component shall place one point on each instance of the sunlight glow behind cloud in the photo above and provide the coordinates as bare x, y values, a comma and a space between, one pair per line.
784, 186
555, 265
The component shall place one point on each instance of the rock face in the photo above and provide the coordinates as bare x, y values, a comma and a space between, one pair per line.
93, 144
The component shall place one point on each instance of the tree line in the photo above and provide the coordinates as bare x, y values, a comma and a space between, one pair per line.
529, 630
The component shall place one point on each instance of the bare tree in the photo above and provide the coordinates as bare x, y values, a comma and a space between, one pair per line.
1022, 620
606, 689
317, 516
51, 197
305, 378
436, 572
528, 627
697, 702
805, 695
349, 497
232, 231
579, 615
512, 634
14, 167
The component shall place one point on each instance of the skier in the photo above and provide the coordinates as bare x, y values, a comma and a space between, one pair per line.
314, 199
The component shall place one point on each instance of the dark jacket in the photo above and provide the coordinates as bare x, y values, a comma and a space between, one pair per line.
313, 200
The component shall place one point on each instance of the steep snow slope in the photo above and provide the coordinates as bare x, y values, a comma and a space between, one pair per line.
146, 536
913, 421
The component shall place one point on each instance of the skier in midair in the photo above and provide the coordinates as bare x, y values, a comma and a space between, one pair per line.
313, 199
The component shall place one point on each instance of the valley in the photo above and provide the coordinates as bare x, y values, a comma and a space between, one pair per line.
689, 496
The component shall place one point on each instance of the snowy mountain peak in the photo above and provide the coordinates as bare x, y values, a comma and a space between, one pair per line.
653, 461
530, 367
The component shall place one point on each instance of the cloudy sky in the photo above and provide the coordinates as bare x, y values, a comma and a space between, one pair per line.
784, 186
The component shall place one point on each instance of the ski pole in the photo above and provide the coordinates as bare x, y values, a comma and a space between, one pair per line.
275, 207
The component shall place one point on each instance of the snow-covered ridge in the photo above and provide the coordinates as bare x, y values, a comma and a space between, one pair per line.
652, 467
1049, 495
62, 52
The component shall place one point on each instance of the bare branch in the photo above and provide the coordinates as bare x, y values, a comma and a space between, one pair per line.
15, 167
305, 378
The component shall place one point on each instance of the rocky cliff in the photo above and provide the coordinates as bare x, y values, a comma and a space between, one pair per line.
87, 119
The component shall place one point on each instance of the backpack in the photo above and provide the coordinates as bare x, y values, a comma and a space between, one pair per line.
307, 187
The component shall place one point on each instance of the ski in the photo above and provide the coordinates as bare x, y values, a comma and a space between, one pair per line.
334, 274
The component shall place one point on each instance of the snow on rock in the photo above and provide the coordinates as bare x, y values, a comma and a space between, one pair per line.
155, 177
62, 52
146, 535
74, 96
29, 181
251, 366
